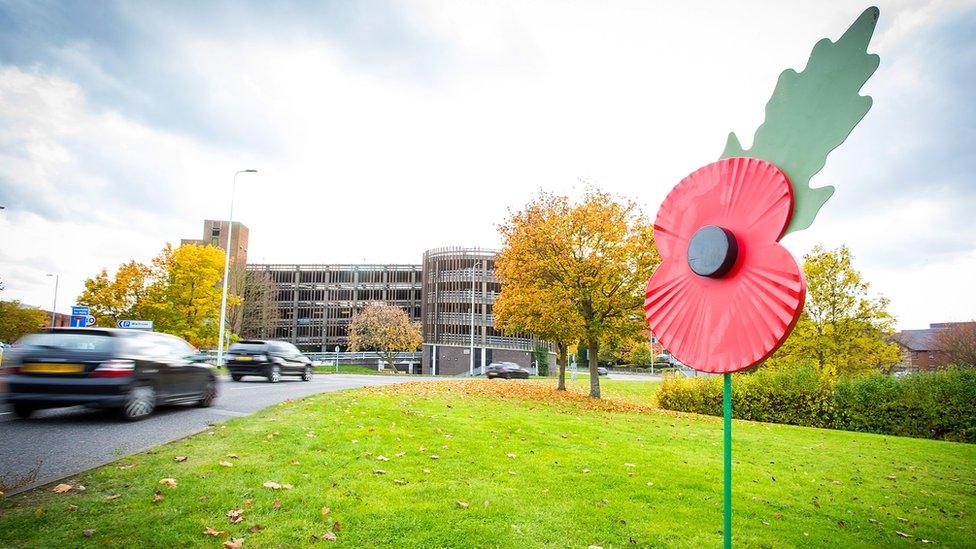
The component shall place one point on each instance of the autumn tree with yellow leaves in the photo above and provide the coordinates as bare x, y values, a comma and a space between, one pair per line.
575, 271
117, 297
179, 291
540, 312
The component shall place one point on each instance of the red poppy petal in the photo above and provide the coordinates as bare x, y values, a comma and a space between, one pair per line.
750, 197
731, 323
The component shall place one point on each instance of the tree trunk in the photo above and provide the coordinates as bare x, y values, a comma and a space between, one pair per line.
389, 360
593, 347
561, 364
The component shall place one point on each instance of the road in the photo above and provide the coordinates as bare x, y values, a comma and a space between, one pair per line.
57, 443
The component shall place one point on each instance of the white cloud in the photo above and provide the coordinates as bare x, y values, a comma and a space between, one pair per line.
370, 161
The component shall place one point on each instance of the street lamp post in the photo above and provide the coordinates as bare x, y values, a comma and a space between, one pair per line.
223, 296
474, 270
54, 308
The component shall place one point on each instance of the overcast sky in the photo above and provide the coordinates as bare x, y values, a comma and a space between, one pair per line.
382, 129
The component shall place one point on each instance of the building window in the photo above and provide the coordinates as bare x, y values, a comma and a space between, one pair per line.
215, 231
931, 356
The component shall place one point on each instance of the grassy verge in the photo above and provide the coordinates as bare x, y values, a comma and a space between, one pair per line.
638, 391
502, 464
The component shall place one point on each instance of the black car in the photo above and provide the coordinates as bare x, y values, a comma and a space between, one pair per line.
268, 359
506, 370
128, 370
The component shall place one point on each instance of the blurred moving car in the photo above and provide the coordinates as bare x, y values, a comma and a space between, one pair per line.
601, 371
506, 370
267, 358
131, 371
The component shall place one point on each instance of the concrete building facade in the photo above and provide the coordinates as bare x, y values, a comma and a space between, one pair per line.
215, 233
316, 302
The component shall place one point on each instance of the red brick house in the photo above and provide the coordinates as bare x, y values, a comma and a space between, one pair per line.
922, 349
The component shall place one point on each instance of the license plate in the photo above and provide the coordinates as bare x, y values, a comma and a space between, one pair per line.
242, 358
45, 368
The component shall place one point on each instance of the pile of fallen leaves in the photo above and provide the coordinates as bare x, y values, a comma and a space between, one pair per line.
516, 391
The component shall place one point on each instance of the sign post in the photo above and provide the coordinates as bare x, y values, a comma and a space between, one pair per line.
337, 358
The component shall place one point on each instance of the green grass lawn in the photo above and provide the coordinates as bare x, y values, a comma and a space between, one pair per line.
516, 465
351, 369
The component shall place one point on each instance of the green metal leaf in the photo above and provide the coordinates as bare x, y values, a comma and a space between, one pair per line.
812, 112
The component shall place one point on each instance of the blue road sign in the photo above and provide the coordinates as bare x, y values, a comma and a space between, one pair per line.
81, 321
80, 310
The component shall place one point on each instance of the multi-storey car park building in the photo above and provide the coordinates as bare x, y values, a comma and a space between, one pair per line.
316, 304
459, 291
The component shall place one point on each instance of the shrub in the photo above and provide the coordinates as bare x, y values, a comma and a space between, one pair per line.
938, 404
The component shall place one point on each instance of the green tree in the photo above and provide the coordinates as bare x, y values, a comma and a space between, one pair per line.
385, 330
541, 357
17, 320
843, 329
591, 258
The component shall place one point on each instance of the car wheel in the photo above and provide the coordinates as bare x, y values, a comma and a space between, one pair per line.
209, 394
139, 402
23, 411
307, 374
235, 377
275, 375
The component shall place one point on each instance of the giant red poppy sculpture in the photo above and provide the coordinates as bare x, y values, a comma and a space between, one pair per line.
727, 294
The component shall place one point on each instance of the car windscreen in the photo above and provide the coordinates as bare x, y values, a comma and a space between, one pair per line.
82, 342
248, 347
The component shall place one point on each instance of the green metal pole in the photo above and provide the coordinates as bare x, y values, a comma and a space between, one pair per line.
727, 420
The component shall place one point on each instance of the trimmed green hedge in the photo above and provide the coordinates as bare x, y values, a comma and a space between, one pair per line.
940, 405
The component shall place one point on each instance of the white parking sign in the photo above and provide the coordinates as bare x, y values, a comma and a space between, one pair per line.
134, 324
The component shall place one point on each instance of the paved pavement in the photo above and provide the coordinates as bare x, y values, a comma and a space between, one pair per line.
634, 377
64, 441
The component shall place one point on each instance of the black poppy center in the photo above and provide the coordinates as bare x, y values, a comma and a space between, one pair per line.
712, 251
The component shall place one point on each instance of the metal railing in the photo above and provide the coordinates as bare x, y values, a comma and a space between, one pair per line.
464, 296
465, 319
498, 342
362, 357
